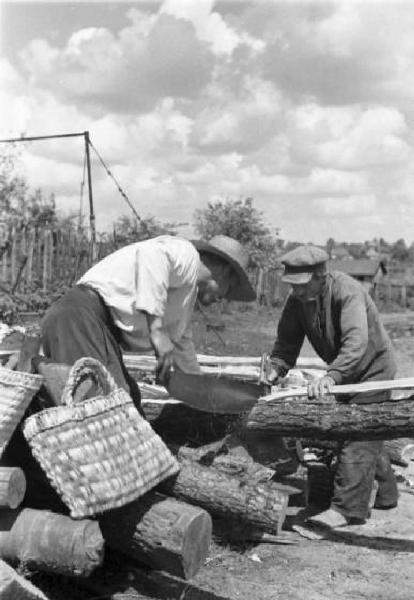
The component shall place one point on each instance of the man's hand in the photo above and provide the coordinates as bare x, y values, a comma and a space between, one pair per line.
321, 387
163, 348
272, 375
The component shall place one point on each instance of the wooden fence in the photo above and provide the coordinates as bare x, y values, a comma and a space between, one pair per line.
43, 259
39, 259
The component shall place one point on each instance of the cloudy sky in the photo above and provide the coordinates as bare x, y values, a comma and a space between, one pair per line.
307, 107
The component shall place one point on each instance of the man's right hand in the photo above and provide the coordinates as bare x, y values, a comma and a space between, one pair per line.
163, 348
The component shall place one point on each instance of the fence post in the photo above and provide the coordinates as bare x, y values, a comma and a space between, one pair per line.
404, 295
46, 261
259, 286
13, 257
29, 264
389, 293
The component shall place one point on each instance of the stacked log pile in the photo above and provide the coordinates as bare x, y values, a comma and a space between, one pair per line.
234, 468
169, 529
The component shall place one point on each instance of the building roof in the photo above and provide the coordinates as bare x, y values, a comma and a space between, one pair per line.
340, 252
357, 267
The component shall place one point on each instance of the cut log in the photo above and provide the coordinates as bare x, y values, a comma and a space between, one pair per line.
12, 487
45, 541
298, 417
15, 587
161, 532
262, 505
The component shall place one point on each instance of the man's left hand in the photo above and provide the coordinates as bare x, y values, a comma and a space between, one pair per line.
321, 387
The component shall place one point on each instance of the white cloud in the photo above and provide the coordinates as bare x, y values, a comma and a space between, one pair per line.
349, 137
346, 206
127, 72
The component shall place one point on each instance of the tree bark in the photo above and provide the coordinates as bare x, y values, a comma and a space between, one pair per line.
161, 532
50, 542
298, 417
12, 487
15, 587
262, 505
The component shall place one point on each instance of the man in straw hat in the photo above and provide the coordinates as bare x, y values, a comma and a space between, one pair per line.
342, 323
143, 295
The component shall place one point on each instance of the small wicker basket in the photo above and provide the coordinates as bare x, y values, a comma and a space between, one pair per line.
16, 391
99, 453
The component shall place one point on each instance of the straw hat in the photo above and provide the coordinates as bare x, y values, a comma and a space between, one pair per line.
233, 252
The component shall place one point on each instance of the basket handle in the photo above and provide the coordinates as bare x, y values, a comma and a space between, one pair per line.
83, 367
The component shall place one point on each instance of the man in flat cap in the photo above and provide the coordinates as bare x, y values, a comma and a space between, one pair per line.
142, 296
342, 323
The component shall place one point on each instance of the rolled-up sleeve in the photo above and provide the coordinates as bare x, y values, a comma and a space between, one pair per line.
354, 335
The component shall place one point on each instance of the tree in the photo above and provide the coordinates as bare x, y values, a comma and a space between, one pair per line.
18, 205
128, 230
399, 250
330, 244
240, 220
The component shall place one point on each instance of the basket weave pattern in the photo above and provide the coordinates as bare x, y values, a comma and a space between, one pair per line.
16, 391
100, 453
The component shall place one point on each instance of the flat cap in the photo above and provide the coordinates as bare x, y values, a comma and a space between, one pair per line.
301, 262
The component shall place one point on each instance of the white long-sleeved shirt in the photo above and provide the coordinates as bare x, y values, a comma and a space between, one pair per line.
158, 277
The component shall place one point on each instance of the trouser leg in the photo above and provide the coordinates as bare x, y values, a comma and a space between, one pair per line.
387, 494
77, 326
354, 477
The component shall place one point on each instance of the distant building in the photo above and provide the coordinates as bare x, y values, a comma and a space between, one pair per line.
340, 253
367, 270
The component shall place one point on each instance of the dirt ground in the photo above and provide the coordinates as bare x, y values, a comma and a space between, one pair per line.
374, 561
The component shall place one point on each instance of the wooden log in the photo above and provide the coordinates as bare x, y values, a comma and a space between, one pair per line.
46, 541
161, 532
15, 587
12, 487
300, 418
262, 505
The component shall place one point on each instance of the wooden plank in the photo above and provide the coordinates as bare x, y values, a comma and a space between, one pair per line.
406, 383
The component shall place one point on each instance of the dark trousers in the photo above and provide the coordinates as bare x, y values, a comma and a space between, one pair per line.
80, 324
359, 464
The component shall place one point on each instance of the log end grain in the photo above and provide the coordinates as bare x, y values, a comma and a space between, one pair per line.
12, 487
196, 543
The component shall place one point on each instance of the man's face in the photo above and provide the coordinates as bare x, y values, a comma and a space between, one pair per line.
216, 288
306, 292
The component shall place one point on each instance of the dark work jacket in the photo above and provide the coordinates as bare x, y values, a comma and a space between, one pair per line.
343, 325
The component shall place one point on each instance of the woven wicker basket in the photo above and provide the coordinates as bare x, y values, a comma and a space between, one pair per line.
99, 453
16, 391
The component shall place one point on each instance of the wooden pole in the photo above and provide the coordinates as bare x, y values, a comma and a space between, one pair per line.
90, 196
13, 256
29, 265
